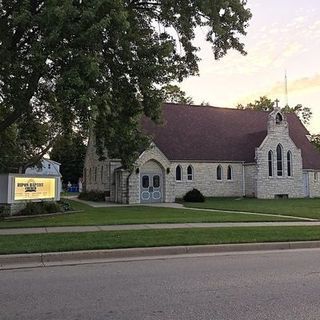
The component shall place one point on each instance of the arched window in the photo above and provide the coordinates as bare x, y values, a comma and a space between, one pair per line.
279, 160
95, 174
229, 173
101, 173
178, 173
279, 118
289, 163
219, 172
190, 173
270, 163
90, 175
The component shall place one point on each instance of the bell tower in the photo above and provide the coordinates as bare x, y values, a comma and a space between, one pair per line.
277, 121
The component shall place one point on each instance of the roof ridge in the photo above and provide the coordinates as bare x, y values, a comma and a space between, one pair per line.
209, 106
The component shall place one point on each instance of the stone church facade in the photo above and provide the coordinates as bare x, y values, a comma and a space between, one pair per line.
221, 152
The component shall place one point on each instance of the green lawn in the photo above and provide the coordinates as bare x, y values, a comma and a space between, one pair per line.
131, 215
149, 238
309, 208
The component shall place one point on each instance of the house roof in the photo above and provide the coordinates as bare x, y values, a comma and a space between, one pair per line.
203, 133
52, 161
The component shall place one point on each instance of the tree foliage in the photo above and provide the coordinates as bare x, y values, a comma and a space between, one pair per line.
266, 104
315, 139
173, 94
66, 63
70, 151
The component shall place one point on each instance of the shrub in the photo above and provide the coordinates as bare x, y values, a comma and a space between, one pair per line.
194, 195
92, 196
4, 210
65, 205
51, 207
34, 208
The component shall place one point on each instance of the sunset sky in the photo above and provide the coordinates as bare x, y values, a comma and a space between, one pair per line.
283, 35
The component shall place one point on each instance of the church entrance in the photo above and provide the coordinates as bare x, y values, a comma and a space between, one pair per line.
151, 183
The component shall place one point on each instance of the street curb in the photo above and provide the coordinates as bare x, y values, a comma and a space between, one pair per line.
17, 261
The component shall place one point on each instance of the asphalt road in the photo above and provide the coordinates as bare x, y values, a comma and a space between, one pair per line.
277, 285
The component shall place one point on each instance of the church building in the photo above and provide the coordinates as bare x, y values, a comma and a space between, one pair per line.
222, 152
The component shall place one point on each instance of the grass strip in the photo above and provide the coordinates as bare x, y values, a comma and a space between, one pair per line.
132, 215
10, 244
308, 208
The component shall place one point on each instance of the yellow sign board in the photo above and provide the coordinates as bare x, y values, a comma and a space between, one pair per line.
34, 188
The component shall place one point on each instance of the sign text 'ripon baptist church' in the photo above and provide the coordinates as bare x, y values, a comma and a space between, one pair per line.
34, 188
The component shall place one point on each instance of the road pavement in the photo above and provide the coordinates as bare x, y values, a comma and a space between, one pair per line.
249, 286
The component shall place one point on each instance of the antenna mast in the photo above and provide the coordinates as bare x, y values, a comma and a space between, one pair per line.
286, 86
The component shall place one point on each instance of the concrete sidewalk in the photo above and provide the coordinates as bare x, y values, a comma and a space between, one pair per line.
43, 230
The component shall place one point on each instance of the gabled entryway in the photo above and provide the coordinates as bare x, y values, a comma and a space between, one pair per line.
151, 182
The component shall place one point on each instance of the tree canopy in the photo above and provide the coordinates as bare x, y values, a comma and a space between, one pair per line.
70, 151
266, 104
315, 139
66, 63
173, 94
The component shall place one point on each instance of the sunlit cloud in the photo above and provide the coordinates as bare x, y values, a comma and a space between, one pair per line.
310, 84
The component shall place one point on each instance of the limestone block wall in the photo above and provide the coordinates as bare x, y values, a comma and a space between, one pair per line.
121, 186
250, 174
314, 184
268, 187
205, 179
98, 175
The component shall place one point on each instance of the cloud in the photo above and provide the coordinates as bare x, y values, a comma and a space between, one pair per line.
306, 83
277, 90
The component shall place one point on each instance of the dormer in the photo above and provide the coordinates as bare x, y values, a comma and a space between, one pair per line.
277, 121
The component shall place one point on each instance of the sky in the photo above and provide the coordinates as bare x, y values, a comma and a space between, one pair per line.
283, 36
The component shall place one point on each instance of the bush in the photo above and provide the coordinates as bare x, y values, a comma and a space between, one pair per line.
194, 195
34, 208
4, 210
51, 207
92, 196
65, 205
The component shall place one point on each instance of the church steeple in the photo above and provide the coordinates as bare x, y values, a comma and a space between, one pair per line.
277, 120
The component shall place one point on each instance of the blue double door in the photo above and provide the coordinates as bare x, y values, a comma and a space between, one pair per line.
151, 188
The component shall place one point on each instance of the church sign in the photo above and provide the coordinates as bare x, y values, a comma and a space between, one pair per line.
34, 188
19, 188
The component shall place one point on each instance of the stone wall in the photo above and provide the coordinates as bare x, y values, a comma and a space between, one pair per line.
99, 175
250, 174
314, 184
271, 186
121, 186
205, 179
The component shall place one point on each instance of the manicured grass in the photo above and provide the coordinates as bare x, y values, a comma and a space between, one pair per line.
132, 215
309, 208
149, 238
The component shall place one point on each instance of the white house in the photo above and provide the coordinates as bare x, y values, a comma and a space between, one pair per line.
220, 151
47, 167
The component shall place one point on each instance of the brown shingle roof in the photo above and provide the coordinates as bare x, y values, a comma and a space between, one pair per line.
205, 133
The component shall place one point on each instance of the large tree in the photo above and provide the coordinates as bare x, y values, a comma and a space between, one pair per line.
266, 104
65, 63
70, 152
174, 94
315, 139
